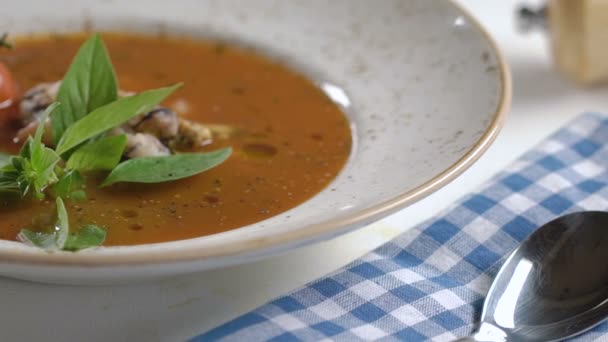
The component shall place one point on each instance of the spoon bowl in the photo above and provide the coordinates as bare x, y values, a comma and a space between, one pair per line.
553, 286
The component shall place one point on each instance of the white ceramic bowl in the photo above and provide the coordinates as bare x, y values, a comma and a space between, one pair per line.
428, 92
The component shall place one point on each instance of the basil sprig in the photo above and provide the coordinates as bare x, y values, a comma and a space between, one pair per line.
87, 107
33, 170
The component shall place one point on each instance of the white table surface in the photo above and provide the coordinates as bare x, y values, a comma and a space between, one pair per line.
177, 308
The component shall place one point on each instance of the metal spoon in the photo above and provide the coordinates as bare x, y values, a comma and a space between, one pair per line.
553, 286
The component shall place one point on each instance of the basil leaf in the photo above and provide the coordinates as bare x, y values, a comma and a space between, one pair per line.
103, 154
9, 180
42, 240
43, 170
89, 83
87, 237
38, 154
37, 142
39, 170
49, 241
111, 115
70, 186
21, 168
166, 168
62, 228
5, 159
9, 184
25, 151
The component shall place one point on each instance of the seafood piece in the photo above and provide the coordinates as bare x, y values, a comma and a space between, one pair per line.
191, 134
148, 134
161, 122
144, 145
224, 131
35, 101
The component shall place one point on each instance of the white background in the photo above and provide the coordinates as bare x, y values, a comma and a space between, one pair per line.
178, 308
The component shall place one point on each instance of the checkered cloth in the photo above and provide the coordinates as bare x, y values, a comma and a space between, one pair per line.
430, 282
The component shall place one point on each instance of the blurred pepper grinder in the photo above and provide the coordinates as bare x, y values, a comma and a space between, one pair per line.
578, 31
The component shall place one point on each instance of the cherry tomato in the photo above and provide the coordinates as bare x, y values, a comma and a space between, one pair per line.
9, 95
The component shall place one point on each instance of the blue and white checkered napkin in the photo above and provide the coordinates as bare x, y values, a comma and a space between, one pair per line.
429, 283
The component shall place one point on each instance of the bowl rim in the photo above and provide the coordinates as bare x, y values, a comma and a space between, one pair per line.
270, 245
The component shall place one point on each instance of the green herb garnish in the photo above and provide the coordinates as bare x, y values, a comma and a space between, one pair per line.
166, 168
111, 115
87, 108
5, 159
102, 155
34, 167
46, 241
9, 182
70, 186
89, 84
61, 238
54, 240
87, 237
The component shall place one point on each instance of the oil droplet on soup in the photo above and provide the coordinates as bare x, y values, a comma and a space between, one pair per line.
289, 139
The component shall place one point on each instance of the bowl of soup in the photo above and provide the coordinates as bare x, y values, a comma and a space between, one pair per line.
143, 141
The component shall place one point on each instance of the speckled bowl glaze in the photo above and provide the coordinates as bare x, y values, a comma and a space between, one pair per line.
427, 93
